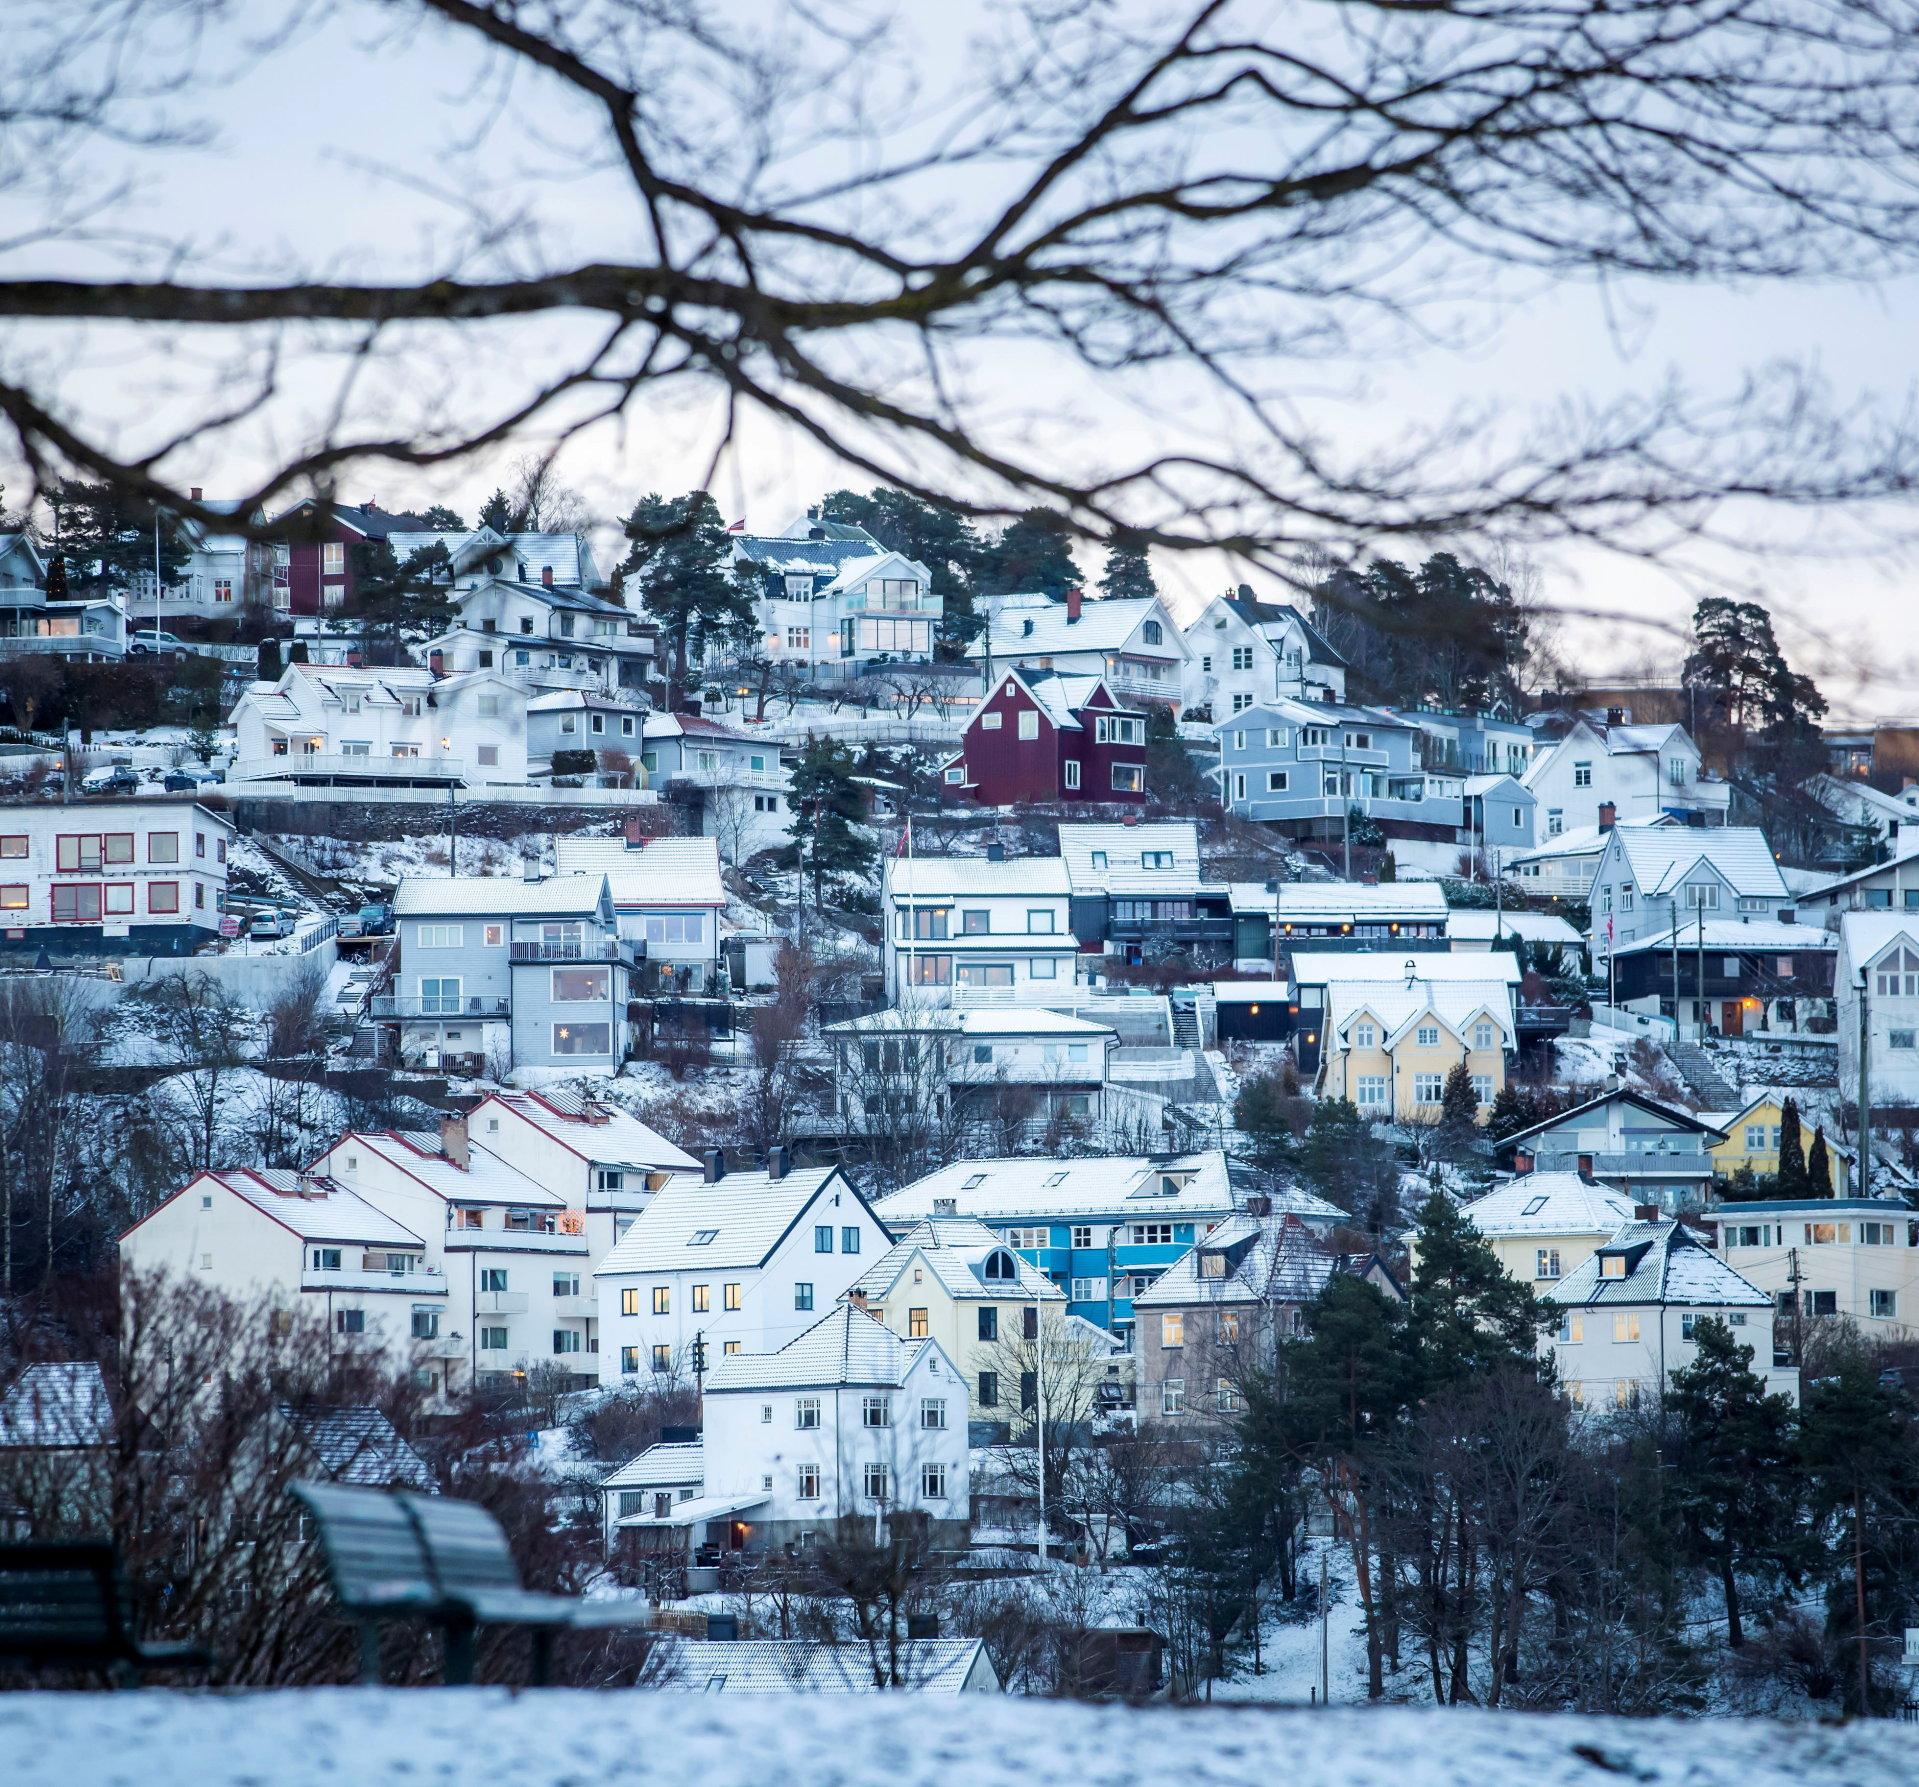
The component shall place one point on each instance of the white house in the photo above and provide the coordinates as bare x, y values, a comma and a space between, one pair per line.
1627, 1317
1561, 867
1879, 960
88, 632
140, 877
572, 719
1603, 771
514, 1254
834, 599
978, 922
1651, 880
1479, 928
308, 1242
341, 725
667, 896
223, 572
1131, 643
734, 783
1884, 887
1241, 650
845, 1420
724, 1262
1851, 1257
559, 632
476, 555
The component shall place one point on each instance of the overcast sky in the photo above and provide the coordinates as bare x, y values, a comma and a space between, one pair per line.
304, 168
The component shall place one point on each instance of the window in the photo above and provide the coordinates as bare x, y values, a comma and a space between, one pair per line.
991, 722
333, 558
1546, 1262
566, 1284
1242, 657
1152, 1234
1572, 1328
492, 1278
1884, 1306
662, 1299
1172, 1329
13, 897
13, 847
1040, 920
1900, 1039
1072, 772
1370, 1092
875, 1482
629, 1360
662, 1357
426, 1324
702, 1298
493, 936
876, 1411
807, 1483
730, 1296
1152, 633
1172, 1396
630, 1301
1701, 897
933, 1482
933, 1413
1278, 780
1755, 1138
1555, 822
1482, 1088
1028, 723
440, 937
1482, 1036
975, 923
1427, 1036
1897, 975
1128, 778
675, 927
988, 1321
582, 1039
1612, 1265
806, 1413
1228, 1397
494, 1340
1428, 1088
567, 1340
1625, 1328
349, 1321
916, 1324
802, 1296
823, 1237
1582, 775
1082, 1237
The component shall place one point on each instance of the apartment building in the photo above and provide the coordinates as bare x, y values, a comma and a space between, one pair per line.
1851, 1257
727, 1262
494, 975
112, 877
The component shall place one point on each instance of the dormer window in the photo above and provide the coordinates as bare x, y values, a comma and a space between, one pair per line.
1612, 1265
1212, 1265
974, 1182
1001, 1267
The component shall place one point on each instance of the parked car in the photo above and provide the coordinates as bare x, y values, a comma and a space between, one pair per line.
374, 919
142, 640
186, 779
110, 778
271, 923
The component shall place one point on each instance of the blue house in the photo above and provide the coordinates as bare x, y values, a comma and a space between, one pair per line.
1101, 1228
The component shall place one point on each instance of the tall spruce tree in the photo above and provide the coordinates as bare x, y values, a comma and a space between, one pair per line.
827, 812
680, 563
1734, 1457
1466, 1313
1819, 1166
1033, 552
1458, 1107
1791, 1179
1128, 571
497, 513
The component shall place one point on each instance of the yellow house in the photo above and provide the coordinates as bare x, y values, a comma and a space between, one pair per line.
952, 1280
1544, 1225
1390, 1045
1753, 1136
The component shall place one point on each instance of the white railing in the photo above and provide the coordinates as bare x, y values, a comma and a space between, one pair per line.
424, 1283
339, 763
1640, 1023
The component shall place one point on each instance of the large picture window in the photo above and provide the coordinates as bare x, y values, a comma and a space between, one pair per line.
76, 905
675, 927
573, 986
582, 1039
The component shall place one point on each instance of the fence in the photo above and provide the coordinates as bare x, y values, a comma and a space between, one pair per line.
1638, 1022
489, 794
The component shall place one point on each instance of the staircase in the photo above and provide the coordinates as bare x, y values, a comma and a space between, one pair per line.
1185, 1024
1695, 1067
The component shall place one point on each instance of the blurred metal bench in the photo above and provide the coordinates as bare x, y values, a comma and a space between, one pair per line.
64, 1606
394, 1555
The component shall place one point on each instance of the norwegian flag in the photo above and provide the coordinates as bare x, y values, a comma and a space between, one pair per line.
1609, 927
737, 527
905, 845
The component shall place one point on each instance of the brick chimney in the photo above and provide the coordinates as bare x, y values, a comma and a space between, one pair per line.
1522, 1161
1585, 1163
635, 829
1645, 1213
194, 492
453, 1143
1073, 599
546, 575
1608, 815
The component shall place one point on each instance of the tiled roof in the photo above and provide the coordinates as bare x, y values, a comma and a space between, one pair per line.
925, 876
1102, 626
315, 1208
1478, 924
1280, 1261
604, 1133
1734, 934
844, 1348
485, 1179
1585, 840
954, 1250
1123, 846
1318, 901
1666, 1264
58, 1405
1661, 859
743, 1215
360, 1445
1550, 1204
1320, 967
1396, 1004
497, 896
662, 1466
972, 1020
1123, 1186
802, 1666
657, 872
1260, 615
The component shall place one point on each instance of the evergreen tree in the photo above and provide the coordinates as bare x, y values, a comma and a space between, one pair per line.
1458, 1106
827, 812
1127, 572
441, 519
57, 586
396, 604
940, 538
1265, 1113
267, 667
1034, 552
1466, 1312
1819, 1166
1733, 1459
1739, 678
106, 538
497, 513
1791, 1177
680, 564
1346, 1162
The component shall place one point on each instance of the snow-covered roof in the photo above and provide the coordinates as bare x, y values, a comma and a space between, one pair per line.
1454, 1003
1321, 967
664, 1466
1550, 1204
359, 1445
1661, 860
485, 1179
1658, 1263
1587, 840
568, 555
57, 1406
1017, 633
1262, 1259
1268, 618
1060, 696
1247, 992
1737, 934
600, 1132
972, 1020
736, 1220
1867, 935
1111, 858
314, 1207
802, 1666
1480, 924
955, 1250
1322, 902
498, 896
651, 872
844, 1348
1132, 1187
927, 877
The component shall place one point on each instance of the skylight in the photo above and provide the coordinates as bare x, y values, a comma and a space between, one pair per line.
703, 1237
1534, 1208
977, 1179
1057, 1179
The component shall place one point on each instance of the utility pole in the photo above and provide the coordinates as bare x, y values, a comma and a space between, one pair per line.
1699, 971
1865, 1097
156, 579
1798, 1331
1039, 1403
1325, 1641
1672, 905
1345, 804
452, 832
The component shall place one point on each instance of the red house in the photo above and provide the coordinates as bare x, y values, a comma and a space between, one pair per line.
313, 562
1040, 736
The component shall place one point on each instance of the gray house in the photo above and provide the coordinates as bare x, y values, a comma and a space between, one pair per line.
497, 975
1656, 1153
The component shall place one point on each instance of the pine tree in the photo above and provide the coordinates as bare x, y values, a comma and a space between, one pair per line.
680, 564
1733, 1465
1128, 571
442, 519
1034, 552
1265, 1113
1819, 1166
941, 539
497, 513
1467, 1313
827, 814
1791, 1178
1458, 1105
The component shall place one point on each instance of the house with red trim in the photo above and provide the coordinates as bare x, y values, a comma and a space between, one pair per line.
313, 570
1042, 736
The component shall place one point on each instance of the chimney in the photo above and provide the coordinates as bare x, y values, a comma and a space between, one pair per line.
352, 657
436, 662
858, 1299
996, 851
946, 1206
1608, 815
1615, 716
635, 829
1585, 1167
922, 1625
546, 576
1073, 600
1259, 1204
194, 492
1522, 1162
453, 1137
371, 505
715, 1159
1026, 629
777, 1160
1645, 1213
530, 869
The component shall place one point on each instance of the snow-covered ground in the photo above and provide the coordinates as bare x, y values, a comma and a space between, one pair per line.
322, 1737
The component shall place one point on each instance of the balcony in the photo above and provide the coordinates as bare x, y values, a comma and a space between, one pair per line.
724, 775
441, 1346
501, 1303
512, 1241
575, 1309
1643, 1165
589, 949
1217, 929
367, 1278
436, 1005
67, 645
338, 766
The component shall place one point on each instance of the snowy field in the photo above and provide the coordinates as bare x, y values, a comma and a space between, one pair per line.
323, 1737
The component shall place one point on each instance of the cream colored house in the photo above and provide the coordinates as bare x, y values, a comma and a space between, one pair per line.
1391, 1044
953, 1281
1853, 1257
1544, 1225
